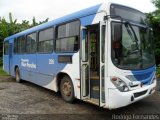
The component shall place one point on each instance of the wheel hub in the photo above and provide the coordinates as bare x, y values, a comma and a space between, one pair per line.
67, 89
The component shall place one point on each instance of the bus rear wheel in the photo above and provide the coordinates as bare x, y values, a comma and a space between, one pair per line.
17, 75
67, 89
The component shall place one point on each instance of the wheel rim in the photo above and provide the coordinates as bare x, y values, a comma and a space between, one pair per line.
66, 88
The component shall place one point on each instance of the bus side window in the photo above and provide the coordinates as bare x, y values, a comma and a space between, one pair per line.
21, 45
116, 43
15, 46
45, 42
31, 43
67, 39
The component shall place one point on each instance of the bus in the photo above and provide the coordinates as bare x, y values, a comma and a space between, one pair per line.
103, 55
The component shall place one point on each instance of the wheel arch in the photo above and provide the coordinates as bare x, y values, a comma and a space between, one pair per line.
15, 67
59, 77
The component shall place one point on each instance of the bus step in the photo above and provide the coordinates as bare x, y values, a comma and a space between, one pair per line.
93, 101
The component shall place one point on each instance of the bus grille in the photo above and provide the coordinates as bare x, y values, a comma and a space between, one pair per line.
140, 93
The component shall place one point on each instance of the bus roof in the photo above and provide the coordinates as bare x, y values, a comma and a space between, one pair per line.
73, 16
76, 15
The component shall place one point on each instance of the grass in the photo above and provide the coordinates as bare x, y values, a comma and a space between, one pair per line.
2, 73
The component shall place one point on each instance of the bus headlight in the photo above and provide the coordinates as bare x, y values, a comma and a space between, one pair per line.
119, 84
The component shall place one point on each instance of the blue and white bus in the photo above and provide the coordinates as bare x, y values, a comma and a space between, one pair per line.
102, 55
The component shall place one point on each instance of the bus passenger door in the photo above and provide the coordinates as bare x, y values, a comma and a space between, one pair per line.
92, 64
90, 77
102, 35
10, 57
6, 58
85, 73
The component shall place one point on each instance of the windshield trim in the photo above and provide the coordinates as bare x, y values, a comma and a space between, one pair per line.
114, 6
137, 25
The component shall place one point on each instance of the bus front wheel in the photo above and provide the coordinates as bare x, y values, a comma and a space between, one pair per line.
67, 89
17, 75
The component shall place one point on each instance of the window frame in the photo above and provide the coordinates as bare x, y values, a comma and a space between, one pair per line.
17, 50
15, 45
35, 42
78, 36
137, 25
67, 51
38, 32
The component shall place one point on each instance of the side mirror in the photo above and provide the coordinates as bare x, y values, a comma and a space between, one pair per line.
118, 32
117, 40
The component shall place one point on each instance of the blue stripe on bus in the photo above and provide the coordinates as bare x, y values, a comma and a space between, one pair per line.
145, 76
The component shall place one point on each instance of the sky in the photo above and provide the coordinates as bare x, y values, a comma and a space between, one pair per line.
52, 9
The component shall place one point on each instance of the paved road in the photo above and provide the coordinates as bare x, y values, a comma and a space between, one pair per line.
34, 102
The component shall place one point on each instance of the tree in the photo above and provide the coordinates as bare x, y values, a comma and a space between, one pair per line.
12, 27
154, 18
3, 33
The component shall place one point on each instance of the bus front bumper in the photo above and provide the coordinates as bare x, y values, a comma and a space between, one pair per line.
119, 99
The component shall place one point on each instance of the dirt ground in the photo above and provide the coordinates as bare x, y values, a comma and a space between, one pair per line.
28, 101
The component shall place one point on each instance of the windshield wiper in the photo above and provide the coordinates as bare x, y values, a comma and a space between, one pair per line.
132, 33
134, 37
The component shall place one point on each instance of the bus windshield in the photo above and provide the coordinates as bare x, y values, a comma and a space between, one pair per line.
134, 49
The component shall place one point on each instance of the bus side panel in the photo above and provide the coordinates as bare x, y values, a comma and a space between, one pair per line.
26, 64
7, 59
48, 66
12, 71
72, 70
6, 63
28, 67
15, 62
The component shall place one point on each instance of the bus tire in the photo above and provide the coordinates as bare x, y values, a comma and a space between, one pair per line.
67, 89
17, 75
